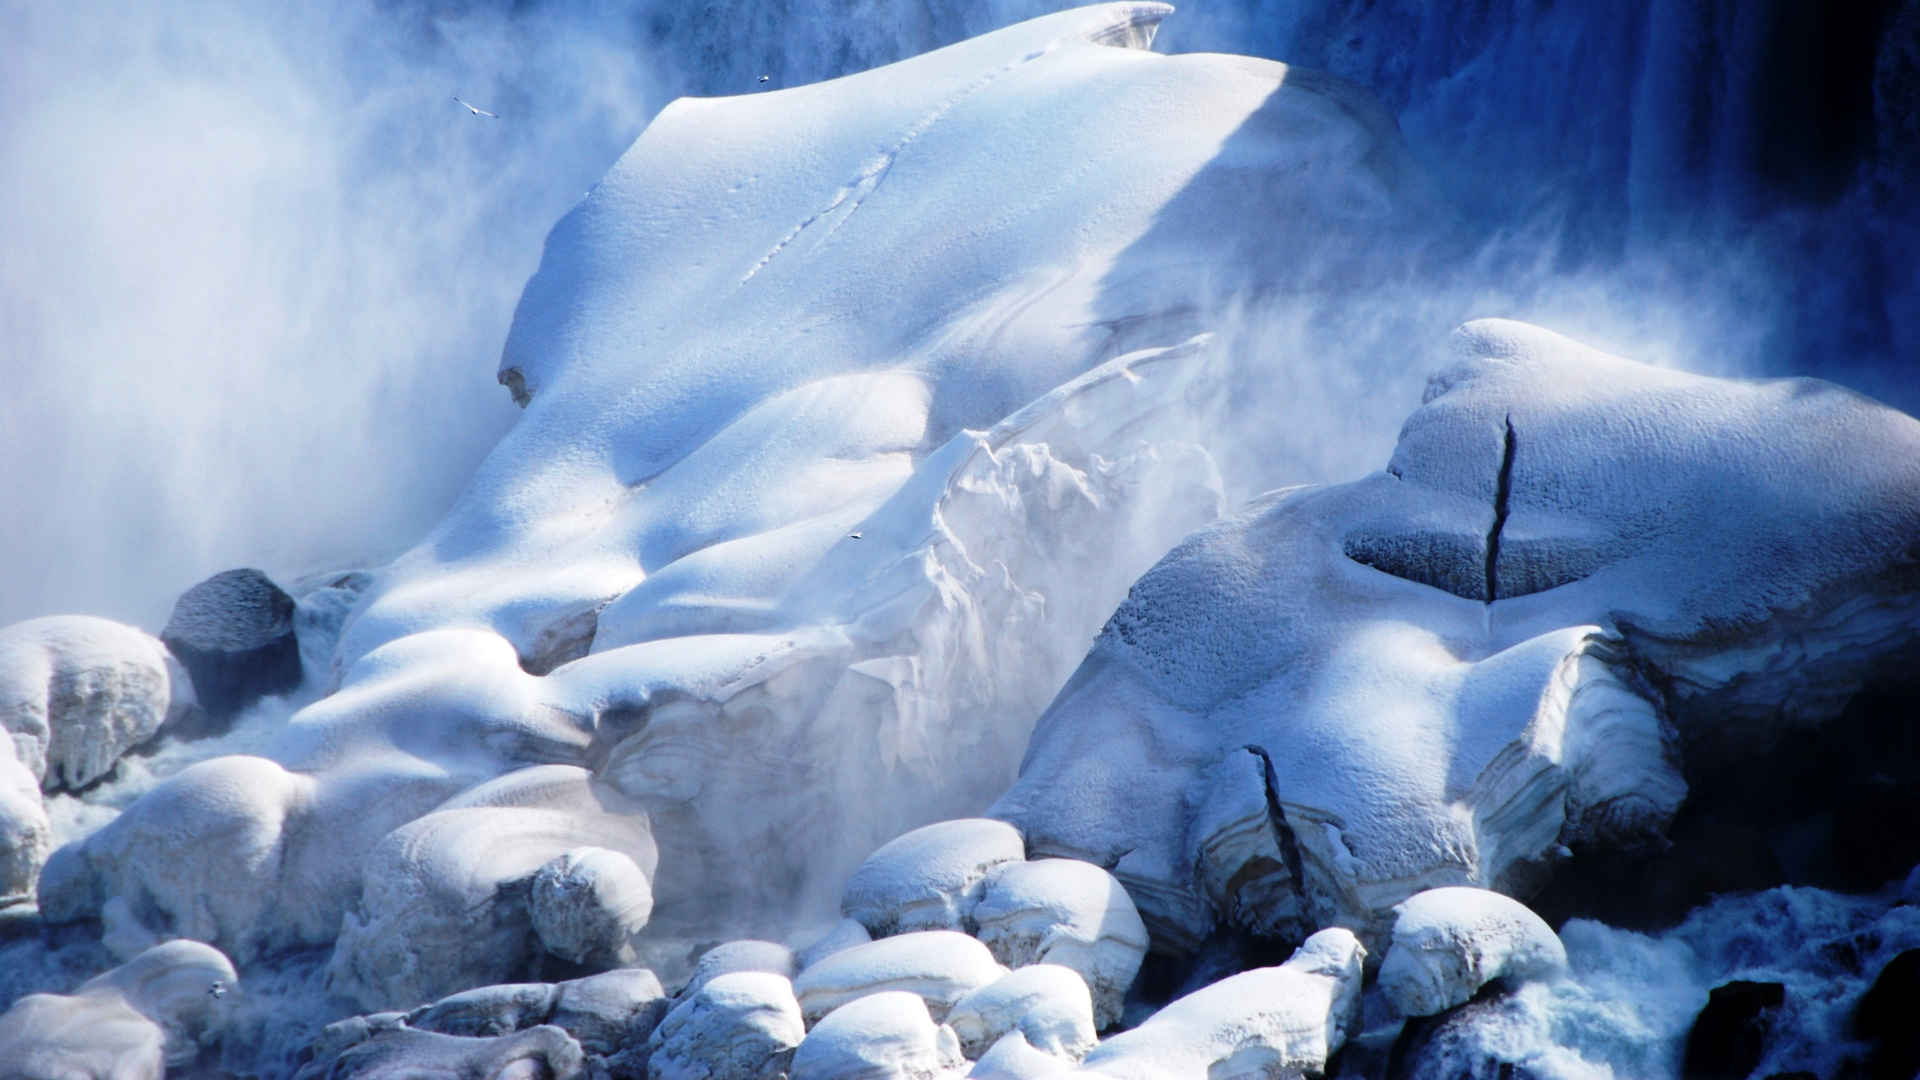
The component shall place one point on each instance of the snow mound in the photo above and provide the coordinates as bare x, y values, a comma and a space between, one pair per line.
1577, 575
1449, 942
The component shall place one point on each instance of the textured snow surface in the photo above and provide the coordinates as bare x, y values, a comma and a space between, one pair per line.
1439, 674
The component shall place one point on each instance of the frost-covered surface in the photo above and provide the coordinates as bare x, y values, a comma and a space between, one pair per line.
1450, 942
1450, 671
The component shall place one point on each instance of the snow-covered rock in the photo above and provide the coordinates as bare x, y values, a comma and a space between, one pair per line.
445, 900
883, 1036
929, 878
744, 955
156, 1011
397, 1052
940, 966
1454, 671
611, 1015
1066, 912
742, 1025
588, 903
26, 836
1269, 1022
234, 633
1449, 942
1048, 1005
77, 692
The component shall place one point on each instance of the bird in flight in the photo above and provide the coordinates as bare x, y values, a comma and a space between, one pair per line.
475, 109
764, 78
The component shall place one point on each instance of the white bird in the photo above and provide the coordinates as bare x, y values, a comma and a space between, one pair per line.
475, 109
217, 990
764, 78
853, 536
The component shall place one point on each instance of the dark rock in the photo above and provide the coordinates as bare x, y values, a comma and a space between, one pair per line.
1729, 1037
234, 634
1885, 1019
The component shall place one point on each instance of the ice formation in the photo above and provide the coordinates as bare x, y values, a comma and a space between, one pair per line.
851, 411
1575, 575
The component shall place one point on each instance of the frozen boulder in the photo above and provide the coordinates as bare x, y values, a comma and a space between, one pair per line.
1269, 1022
77, 692
275, 859
445, 898
883, 1036
486, 1011
234, 633
611, 1015
939, 966
1449, 942
401, 1053
745, 955
1580, 586
156, 1011
588, 903
929, 878
1048, 1005
1066, 912
26, 836
743, 1025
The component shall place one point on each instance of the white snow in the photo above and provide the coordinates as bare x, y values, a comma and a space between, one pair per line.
1449, 942
929, 878
941, 966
